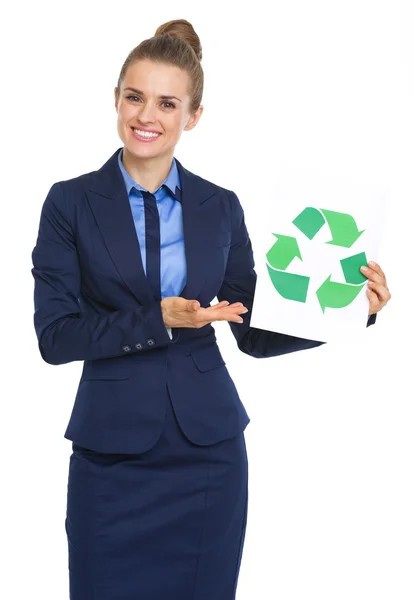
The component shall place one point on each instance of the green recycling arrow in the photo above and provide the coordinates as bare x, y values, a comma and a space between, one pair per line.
309, 222
289, 285
283, 251
337, 295
351, 268
343, 228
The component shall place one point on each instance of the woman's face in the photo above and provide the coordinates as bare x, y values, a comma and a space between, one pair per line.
154, 108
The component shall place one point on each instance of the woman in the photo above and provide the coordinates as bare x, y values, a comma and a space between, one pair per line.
127, 261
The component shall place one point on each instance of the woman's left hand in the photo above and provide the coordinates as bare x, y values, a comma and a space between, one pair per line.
377, 290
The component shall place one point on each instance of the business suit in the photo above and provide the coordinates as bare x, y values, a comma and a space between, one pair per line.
144, 396
93, 303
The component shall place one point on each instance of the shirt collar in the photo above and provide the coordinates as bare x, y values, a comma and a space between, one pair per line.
172, 181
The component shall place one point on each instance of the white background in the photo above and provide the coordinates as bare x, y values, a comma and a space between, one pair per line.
323, 87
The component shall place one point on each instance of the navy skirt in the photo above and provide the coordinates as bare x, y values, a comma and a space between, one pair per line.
166, 524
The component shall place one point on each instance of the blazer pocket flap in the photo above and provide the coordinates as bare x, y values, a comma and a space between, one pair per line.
207, 358
107, 369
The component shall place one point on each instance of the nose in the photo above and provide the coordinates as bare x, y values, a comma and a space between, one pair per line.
147, 113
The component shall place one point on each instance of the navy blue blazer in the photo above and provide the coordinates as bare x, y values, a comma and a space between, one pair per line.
93, 303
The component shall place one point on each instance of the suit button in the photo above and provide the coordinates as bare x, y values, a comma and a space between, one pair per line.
126, 348
151, 342
139, 346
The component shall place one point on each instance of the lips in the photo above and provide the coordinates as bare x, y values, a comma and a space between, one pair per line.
145, 138
146, 130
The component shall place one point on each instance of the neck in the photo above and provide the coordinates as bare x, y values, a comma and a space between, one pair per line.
148, 172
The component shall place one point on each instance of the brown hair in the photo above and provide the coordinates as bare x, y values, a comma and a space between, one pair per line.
174, 43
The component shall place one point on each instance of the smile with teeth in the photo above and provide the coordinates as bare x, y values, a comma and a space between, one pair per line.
146, 134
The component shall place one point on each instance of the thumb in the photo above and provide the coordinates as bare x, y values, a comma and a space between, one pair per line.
193, 305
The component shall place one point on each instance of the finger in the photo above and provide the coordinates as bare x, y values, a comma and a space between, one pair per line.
234, 318
375, 266
224, 304
372, 275
193, 305
222, 314
381, 291
235, 304
221, 304
374, 303
230, 319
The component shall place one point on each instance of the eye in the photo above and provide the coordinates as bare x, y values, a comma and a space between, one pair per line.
129, 97
170, 104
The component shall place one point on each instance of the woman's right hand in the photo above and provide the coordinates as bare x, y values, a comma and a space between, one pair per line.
179, 312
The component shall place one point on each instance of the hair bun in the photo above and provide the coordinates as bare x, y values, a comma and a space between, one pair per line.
183, 30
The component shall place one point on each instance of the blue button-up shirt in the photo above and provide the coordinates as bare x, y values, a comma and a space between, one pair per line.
173, 263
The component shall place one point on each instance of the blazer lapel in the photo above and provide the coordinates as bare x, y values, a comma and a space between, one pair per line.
109, 202
198, 228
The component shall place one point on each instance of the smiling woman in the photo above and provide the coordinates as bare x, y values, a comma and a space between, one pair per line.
157, 488
158, 96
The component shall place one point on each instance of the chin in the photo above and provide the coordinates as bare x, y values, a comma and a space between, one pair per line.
148, 151
145, 153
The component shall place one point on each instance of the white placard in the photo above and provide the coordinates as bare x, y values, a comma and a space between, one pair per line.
307, 280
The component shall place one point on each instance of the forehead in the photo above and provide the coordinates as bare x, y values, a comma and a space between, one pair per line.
157, 78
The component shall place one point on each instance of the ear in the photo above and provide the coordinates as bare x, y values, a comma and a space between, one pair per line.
194, 119
116, 99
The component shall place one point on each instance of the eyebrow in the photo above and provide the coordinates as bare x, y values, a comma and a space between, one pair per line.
142, 94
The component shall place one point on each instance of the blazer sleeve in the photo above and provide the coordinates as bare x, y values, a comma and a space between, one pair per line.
239, 286
64, 333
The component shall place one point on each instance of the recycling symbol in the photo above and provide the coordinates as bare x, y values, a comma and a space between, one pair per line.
331, 294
